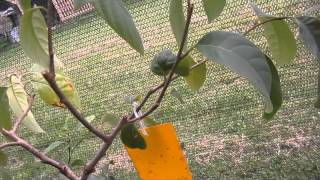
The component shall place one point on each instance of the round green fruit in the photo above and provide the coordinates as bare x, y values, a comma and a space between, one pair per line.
163, 62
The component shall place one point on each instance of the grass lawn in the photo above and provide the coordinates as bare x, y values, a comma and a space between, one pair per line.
220, 126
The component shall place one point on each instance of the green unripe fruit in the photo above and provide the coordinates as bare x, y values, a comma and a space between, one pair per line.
163, 62
131, 137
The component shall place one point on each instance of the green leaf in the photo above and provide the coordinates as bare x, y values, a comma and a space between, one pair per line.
119, 19
25, 4
280, 38
34, 37
177, 21
3, 158
111, 119
77, 162
276, 93
177, 95
5, 119
18, 101
131, 137
213, 8
53, 146
79, 3
197, 75
241, 56
49, 96
183, 68
309, 29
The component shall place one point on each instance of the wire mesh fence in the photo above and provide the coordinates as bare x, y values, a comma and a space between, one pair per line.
220, 127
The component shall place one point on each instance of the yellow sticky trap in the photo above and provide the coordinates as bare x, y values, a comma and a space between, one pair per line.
163, 158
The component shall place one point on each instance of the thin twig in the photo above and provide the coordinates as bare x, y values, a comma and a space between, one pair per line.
23, 115
158, 87
2, 146
50, 44
50, 79
199, 63
264, 22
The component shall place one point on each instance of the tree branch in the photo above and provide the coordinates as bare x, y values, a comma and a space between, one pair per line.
264, 22
104, 147
158, 87
90, 166
64, 169
168, 80
51, 80
23, 115
2, 146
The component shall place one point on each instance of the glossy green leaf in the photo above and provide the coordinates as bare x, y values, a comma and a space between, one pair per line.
276, 93
34, 37
77, 162
5, 119
280, 38
213, 8
309, 29
111, 119
131, 137
119, 19
53, 146
3, 158
79, 3
241, 56
197, 75
25, 4
18, 102
177, 95
177, 21
49, 96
